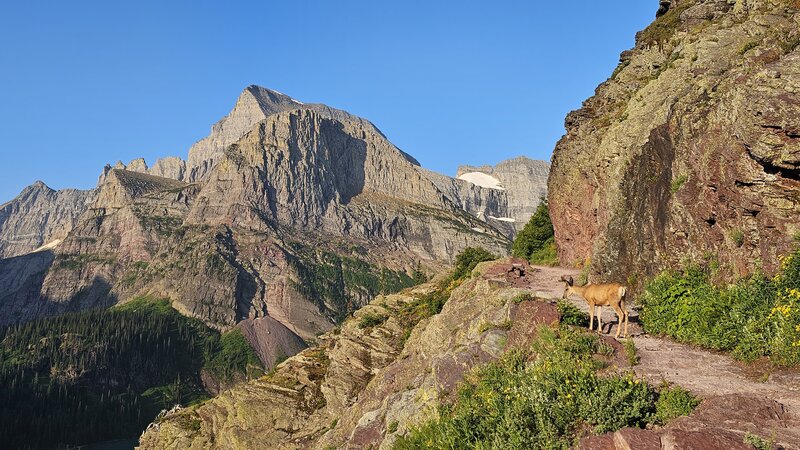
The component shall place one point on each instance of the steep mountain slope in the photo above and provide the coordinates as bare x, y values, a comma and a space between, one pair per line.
690, 150
304, 218
39, 216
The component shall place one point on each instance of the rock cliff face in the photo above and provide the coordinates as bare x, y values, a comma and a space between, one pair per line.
39, 216
522, 180
253, 105
691, 149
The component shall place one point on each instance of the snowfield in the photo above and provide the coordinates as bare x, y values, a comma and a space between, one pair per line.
481, 179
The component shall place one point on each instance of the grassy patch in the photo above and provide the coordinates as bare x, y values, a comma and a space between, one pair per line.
78, 261
235, 359
754, 317
673, 401
522, 298
747, 46
430, 304
546, 398
758, 442
630, 352
661, 30
737, 237
678, 182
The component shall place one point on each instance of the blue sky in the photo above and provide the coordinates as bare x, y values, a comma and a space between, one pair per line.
85, 83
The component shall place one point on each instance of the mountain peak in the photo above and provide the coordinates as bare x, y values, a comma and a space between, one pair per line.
269, 101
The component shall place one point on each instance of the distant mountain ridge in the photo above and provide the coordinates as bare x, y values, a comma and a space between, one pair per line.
296, 212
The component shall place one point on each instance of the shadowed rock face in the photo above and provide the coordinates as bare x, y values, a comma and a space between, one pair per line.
690, 149
39, 216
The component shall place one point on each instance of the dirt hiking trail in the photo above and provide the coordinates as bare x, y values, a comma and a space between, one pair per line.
703, 372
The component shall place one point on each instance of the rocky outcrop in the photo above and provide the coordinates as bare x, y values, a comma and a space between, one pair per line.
271, 340
690, 149
346, 392
169, 167
39, 216
487, 204
522, 180
718, 423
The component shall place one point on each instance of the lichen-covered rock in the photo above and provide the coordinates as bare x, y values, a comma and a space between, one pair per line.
690, 150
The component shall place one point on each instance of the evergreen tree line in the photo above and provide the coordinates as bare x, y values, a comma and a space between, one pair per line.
105, 374
536, 242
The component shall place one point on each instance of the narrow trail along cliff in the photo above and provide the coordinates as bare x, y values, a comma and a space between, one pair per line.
703, 372
384, 372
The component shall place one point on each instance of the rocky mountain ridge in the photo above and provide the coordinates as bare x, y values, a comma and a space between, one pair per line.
39, 216
689, 152
523, 180
253, 105
296, 222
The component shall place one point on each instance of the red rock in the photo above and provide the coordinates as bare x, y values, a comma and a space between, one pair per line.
527, 317
707, 439
603, 442
742, 412
637, 439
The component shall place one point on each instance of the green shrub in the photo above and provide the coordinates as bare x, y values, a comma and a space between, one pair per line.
747, 46
522, 298
737, 236
571, 315
542, 400
468, 259
535, 242
369, 320
758, 442
630, 352
547, 255
754, 317
673, 401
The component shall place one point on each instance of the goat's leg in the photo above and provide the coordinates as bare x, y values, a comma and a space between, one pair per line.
625, 333
620, 318
600, 318
591, 317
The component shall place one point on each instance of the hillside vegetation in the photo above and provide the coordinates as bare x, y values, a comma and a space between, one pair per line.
104, 374
754, 317
546, 398
535, 242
